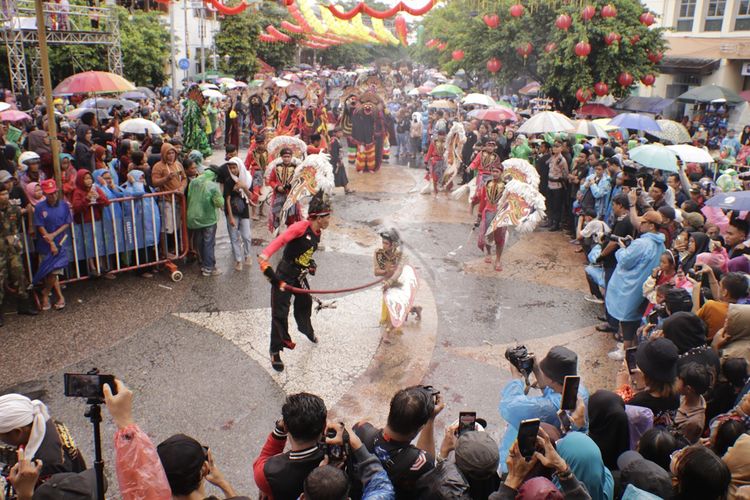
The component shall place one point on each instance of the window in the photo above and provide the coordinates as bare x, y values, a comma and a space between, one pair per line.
743, 16
685, 15
715, 15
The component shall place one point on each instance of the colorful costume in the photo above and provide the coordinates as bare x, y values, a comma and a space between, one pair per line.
193, 129
258, 114
350, 97
367, 131
400, 288
435, 161
489, 196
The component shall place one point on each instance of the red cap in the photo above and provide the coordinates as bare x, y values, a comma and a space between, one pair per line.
49, 186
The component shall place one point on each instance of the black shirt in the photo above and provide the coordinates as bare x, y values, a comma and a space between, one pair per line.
237, 203
286, 472
664, 409
623, 227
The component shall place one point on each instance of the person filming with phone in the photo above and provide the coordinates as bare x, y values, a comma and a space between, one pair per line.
550, 373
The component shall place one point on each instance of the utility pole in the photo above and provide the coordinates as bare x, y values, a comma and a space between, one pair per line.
202, 19
47, 81
173, 48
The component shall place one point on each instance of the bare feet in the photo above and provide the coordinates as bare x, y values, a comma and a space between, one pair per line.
498, 267
488, 259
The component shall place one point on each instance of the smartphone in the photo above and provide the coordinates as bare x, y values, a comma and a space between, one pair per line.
84, 385
565, 422
466, 421
653, 317
630, 358
570, 392
527, 433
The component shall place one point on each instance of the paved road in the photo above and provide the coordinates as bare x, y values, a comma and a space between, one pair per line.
195, 352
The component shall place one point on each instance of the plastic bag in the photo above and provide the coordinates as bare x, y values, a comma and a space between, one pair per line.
140, 474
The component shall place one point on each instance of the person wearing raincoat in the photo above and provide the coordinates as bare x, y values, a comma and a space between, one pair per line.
204, 198
89, 203
635, 262
141, 219
114, 240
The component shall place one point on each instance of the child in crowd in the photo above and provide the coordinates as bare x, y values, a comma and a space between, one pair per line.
692, 382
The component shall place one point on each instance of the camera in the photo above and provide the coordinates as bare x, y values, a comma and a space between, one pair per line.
8, 458
658, 312
627, 240
432, 396
691, 273
520, 358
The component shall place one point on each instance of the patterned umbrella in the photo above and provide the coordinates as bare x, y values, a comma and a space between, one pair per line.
671, 131
547, 121
92, 82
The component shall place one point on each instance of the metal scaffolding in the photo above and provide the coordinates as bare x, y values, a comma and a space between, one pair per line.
77, 25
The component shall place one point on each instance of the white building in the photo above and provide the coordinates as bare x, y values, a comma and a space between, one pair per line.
195, 24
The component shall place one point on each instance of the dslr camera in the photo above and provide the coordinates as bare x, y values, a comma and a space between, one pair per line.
627, 240
432, 396
520, 358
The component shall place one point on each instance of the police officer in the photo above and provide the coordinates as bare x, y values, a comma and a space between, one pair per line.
12, 275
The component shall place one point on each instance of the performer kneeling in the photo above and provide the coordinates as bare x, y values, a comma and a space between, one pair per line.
300, 241
399, 287
488, 196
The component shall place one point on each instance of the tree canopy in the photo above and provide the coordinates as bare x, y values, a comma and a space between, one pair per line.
532, 46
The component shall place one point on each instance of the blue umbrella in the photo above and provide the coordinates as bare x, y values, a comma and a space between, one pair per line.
738, 200
635, 121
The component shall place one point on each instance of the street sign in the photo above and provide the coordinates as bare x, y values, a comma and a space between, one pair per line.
183, 63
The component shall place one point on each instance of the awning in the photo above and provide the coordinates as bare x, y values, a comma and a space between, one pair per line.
653, 105
707, 47
689, 65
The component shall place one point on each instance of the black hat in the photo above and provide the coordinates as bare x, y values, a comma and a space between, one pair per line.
678, 299
644, 474
667, 212
182, 457
657, 359
69, 486
559, 363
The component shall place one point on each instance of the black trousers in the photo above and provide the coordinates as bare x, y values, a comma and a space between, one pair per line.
556, 202
280, 303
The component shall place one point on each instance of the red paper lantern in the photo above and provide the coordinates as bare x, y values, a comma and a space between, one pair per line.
442, 45
457, 55
583, 95
611, 38
625, 79
288, 3
431, 43
654, 57
588, 12
635, 39
494, 65
492, 21
550, 47
563, 22
516, 10
648, 80
609, 10
601, 89
525, 50
582, 49
647, 19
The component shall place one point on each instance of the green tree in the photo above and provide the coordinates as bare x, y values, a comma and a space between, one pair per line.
552, 61
145, 46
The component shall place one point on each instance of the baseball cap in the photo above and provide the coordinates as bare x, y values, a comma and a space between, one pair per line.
5, 176
49, 186
69, 486
477, 454
653, 216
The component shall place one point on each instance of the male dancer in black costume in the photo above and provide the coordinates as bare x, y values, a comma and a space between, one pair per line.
300, 240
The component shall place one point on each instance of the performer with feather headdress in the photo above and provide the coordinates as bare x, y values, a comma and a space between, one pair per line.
455, 142
279, 176
489, 195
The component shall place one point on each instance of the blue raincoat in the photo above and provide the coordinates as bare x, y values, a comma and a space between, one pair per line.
143, 225
112, 215
516, 406
634, 265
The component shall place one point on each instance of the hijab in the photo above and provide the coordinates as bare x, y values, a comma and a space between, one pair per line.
736, 459
242, 178
539, 488
111, 192
701, 246
585, 461
686, 330
609, 426
31, 193
99, 153
136, 186
38, 141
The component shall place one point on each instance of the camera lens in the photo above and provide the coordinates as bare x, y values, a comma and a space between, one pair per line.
331, 433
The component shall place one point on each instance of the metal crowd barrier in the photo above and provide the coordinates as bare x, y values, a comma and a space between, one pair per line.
131, 234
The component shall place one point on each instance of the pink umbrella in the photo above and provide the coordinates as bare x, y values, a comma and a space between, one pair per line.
496, 114
13, 115
93, 82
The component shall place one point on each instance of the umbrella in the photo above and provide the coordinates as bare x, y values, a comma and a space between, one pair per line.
226, 79
256, 83
204, 86
429, 84
149, 93
442, 104
671, 131
13, 115
604, 123
93, 82
101, 114
134, 95
589, 129
209, 75
635, 121
446, 90
547, 121
711, 93
140, 126
480, 99
413, 92
212, 93
424, 90
4, 106
737, 201
691, 154
654, 156
108, 103
530, 89
596, 109
494, 114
